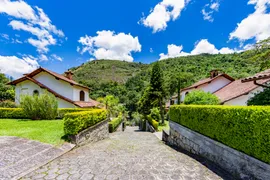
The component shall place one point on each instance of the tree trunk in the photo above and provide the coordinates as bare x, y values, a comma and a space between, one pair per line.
178, 93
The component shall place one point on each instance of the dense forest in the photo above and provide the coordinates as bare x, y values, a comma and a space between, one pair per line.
127, 80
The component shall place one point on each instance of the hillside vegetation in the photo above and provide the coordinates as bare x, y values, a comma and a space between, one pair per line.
104, 71
127, 80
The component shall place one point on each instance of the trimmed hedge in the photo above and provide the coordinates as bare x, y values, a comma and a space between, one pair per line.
113, 124
246, 129
79, 121
63, 111
17, 113
153, 122
12, 113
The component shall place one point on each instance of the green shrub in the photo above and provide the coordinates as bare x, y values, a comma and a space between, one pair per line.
8, 104
43, 106
201, 98
12, 113
63, 111
155, 114
137, 117
79, 121
246, 129
113, 124
153, 122
260, 99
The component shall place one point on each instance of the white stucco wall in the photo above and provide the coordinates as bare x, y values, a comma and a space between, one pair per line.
25, 87
209, 87
76, 93
65, 104
59, 86
242, 100
28, 87
215, 85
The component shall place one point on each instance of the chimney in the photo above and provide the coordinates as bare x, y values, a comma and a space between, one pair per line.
213, 73
69, 74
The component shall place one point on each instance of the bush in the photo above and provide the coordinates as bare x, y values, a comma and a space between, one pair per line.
79, 121
8, 104
63, 111
113, 124
153, 122
260, 99
137, 117
200, 97
43, 106
12, 113
246, 129
155, 114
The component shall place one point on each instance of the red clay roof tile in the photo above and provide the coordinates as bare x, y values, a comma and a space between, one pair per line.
236, 89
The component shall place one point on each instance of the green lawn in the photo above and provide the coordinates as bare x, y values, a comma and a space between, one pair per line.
164, 126
47, 131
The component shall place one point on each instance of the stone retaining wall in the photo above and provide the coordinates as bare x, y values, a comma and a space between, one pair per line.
237, 163
92, 134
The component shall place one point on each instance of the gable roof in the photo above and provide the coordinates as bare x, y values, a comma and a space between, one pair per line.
56, 75
236, 89
261, 75
82, 104
208, 80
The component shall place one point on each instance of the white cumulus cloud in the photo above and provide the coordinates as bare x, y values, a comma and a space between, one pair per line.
204, 46
256, 25
16, 67
201, 47
173, 51
109, 45
32, 20
162, 13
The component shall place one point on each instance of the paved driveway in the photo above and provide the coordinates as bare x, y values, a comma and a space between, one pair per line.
19, 156
125, 155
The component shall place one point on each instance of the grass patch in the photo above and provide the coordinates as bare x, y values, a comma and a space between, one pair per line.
164, 126
46, 131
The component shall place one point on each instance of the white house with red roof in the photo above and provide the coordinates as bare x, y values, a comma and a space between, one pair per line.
68, 92
215, 82
228, 90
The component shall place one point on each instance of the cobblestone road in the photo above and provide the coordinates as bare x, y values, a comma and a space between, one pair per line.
126, 155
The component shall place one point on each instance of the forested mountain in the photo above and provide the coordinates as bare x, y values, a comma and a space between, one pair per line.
104, 71
127, 80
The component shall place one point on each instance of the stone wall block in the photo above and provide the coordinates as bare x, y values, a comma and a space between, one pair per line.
92, 134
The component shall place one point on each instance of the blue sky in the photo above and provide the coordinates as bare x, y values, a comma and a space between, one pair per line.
61, 34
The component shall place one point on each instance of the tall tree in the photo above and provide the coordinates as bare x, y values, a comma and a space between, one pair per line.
6, 92
145, 104
157, 92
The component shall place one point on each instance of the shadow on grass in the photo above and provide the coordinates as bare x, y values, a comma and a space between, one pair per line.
66, 138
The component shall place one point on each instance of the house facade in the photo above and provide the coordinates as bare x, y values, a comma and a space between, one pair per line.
212, 84
69, 93
228, 90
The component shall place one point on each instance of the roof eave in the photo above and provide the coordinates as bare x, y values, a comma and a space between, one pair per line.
195, 87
